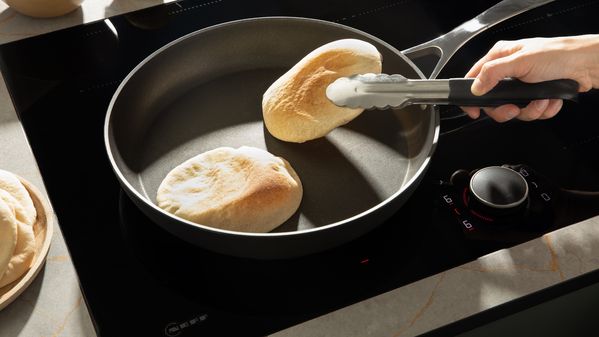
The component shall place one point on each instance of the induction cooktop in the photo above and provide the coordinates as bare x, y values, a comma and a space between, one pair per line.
138, 280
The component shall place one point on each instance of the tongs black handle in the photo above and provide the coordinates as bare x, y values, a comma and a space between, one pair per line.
511, 91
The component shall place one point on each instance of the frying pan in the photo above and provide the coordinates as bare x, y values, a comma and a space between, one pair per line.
204, 91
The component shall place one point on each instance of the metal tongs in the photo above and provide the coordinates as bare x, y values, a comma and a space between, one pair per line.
382, 91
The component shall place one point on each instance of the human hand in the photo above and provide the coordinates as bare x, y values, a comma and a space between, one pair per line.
535, 60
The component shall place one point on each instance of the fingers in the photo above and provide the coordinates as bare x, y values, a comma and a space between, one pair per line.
475, 70
495, 70
510, 59
472, 111
500, 49
540, 109
555, 105
533, 110
503, 113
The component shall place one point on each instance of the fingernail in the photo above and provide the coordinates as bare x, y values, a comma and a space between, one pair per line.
477, 87
541, 105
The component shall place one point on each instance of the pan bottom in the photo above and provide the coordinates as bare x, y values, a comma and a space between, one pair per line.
347, 172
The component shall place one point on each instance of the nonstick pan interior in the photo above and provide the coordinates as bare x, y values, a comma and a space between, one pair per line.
205, 90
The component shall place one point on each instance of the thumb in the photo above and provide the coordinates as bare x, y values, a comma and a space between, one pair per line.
496, 70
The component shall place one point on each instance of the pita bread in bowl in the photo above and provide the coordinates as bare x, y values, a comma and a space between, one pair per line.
13, 185
42, 227
8, 235
24, 250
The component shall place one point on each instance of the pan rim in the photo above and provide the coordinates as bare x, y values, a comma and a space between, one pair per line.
129, 188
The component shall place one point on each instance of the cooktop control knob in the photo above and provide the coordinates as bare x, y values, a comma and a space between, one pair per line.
498, 188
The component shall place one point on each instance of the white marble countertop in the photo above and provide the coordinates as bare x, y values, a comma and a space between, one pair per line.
463, 291
53, 304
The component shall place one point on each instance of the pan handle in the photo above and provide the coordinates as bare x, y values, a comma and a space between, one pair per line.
446, 45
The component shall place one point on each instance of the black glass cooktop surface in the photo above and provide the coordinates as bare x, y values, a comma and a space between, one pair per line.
138, 280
